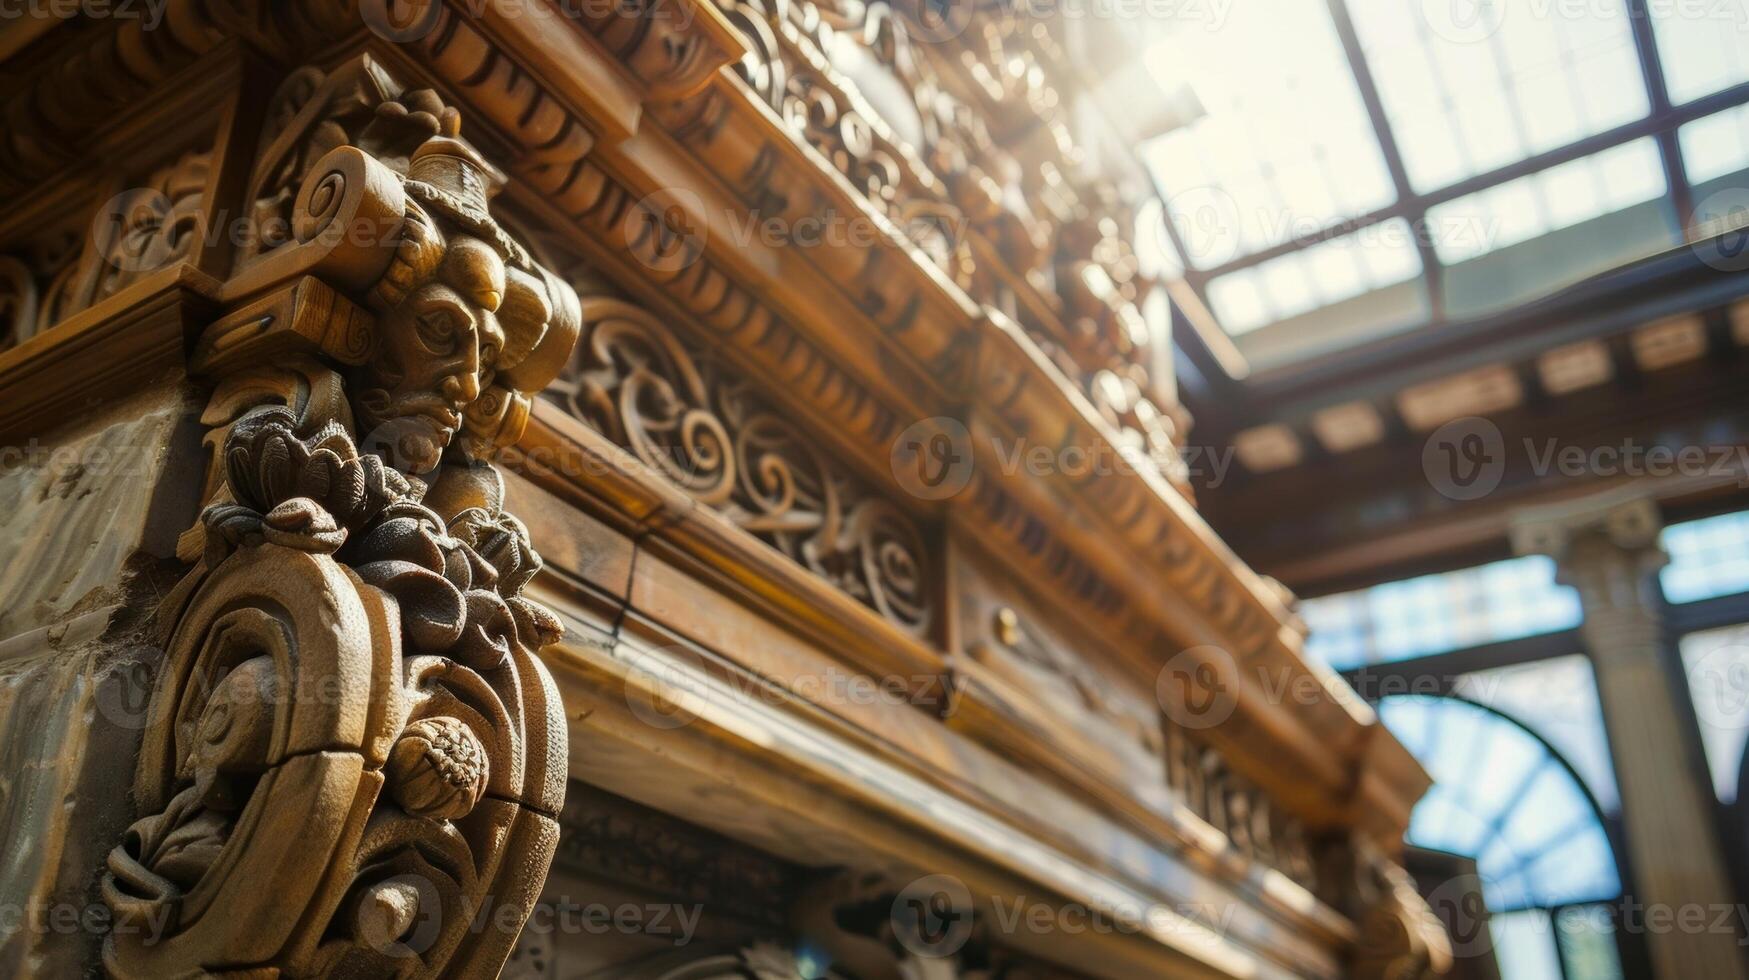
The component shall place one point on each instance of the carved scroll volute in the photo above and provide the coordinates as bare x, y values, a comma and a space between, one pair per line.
355, 756
268, 732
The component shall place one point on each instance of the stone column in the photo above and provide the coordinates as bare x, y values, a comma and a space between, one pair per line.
1607, 548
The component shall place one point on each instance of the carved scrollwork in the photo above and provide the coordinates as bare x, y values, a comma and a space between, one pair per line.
1258, 829
637, 385
702, 428
353, 749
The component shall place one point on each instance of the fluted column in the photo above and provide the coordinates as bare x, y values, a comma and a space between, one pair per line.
1607, 548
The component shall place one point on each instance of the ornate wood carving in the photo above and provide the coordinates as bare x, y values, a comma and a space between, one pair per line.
1064, 265
354, 758
701, 427
151, 222
1400, 937
352, 418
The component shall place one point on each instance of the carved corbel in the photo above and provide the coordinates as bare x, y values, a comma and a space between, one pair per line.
354, 758
1400, 937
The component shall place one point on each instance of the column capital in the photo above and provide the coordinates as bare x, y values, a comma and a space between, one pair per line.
1613, 533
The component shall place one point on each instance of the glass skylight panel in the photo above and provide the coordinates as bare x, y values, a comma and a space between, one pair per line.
1716, 663
1549, 200
1500, 797
1467, 95
1237, 302
1708, 558
1703, 47
1715, 145
1435, 613
1557, 699
1316, 276
1285, 147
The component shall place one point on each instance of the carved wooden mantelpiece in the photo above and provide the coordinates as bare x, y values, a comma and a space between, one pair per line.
429, 265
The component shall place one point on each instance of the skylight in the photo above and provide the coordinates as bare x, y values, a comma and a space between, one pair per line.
1285, 148
1715, 146
1465, 98
1704, 47
1316, 276
1334, 128
1559, 197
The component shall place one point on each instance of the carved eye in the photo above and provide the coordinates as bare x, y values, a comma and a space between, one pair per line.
437, 332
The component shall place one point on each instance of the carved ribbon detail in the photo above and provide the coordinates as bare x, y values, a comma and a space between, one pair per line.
706, 431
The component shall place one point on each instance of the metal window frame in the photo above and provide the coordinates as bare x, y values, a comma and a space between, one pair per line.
1661, 123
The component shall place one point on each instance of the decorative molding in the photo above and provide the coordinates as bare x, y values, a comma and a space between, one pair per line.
610, 837
352, 748
701, 427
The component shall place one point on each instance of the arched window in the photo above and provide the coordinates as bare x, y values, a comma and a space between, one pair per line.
1503, 796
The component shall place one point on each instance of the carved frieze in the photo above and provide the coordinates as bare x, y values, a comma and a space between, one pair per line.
994, 225
353, 750
701, 426
152, 221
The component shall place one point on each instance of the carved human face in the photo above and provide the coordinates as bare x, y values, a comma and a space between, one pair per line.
437, 351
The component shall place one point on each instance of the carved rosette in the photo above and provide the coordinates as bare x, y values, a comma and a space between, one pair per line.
354, 758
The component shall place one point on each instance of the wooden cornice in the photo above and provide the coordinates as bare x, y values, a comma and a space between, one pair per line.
631, 143
879, 337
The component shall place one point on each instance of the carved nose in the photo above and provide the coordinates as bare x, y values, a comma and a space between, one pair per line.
461, 388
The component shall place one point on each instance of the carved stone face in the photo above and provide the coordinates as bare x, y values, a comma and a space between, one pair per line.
438, 349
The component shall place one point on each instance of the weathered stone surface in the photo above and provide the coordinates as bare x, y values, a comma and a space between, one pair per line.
83, 529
